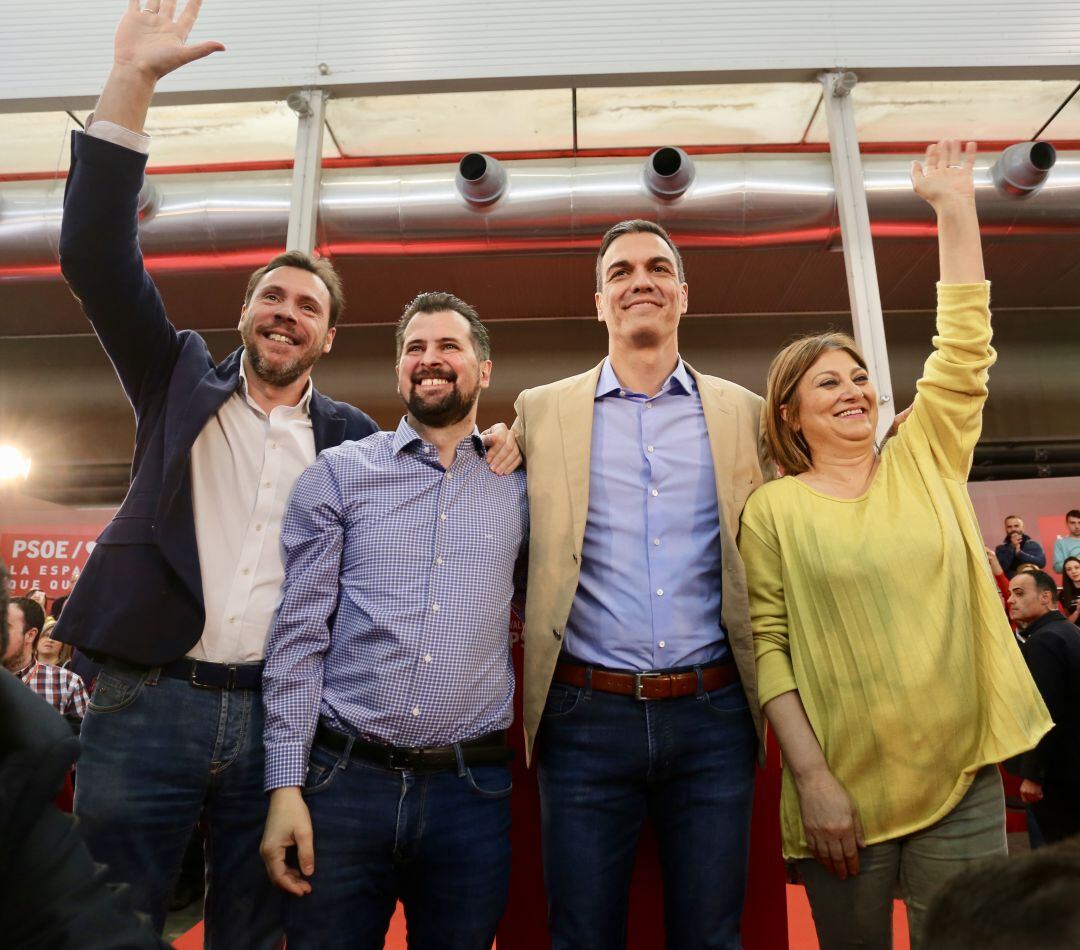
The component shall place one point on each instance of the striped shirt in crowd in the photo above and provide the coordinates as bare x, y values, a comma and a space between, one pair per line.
396, 604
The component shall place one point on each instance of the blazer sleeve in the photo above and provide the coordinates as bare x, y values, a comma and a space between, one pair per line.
102, 262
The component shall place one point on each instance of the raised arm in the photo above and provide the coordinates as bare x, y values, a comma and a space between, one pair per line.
99, 237
947, 412
150, 43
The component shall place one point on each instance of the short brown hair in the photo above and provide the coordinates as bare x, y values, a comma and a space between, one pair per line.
321, 267
435, 301
635, 226
783, 443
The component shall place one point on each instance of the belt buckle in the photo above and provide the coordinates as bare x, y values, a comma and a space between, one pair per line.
230, 682
639, 681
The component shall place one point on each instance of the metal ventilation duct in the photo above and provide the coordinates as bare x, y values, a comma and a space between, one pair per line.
554, 204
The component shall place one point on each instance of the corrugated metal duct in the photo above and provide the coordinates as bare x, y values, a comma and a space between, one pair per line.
549, 204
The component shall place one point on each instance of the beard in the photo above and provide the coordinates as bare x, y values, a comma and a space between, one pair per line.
284, 373
450, 409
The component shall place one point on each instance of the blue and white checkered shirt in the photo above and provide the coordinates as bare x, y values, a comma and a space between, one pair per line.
396, 604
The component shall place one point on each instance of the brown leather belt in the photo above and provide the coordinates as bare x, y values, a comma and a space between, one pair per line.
648, 685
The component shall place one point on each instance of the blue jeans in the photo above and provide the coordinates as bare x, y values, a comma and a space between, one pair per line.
607, 761
159, 754
437, 841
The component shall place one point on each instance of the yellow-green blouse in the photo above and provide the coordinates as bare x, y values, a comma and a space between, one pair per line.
882, 613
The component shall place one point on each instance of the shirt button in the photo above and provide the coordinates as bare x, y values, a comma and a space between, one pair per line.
258, 527
427, 657
659, 591
656, 541
655, 493
662, 644
649, 448
622, 392
247, 570
273, 445
648, 405
435, 608
232, 619
449, 474
438, 560
416, 710
266, 484
442, 515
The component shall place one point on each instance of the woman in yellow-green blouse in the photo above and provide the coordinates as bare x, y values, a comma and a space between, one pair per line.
885, 664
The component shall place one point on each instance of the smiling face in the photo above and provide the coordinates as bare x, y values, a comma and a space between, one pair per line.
641, 297
439, 375
835, 403
285, 326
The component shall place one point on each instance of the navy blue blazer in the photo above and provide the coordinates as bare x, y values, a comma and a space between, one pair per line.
140, 596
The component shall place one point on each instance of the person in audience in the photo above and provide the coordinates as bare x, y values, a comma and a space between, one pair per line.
1068, 545
389, 683
1051, 771
1069, 598
178, 595
859, 686
1010, 903
61, 688
1018, 548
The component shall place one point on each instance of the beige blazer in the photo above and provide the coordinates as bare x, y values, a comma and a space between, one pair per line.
554, 429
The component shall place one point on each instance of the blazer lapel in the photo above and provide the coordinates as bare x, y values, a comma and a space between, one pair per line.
575, 419
327, 426
722, 423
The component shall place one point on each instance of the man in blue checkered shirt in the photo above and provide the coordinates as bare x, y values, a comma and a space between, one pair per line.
388, 683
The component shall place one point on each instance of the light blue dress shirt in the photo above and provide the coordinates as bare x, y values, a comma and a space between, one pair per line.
650, 588
394, 622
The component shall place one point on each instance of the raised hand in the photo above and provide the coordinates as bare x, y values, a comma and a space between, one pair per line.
946, 173
150, 43
153, 40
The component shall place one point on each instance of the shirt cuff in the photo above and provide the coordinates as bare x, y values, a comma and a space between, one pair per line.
286, 766
117, 134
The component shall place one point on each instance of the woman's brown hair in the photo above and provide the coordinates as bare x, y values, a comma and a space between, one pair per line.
783, 443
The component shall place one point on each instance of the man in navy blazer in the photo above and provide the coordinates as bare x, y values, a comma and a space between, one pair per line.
179, 592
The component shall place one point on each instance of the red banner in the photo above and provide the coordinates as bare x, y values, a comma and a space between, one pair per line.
50, 561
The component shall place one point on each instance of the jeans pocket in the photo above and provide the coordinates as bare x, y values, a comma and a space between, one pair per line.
116, 690
489, 781
562, 700
729, 700
323, 768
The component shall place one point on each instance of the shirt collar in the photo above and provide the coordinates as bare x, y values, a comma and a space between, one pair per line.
25, 672
242, 388
406, 437
678, 383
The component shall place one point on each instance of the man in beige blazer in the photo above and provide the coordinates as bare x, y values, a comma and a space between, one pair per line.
640, 689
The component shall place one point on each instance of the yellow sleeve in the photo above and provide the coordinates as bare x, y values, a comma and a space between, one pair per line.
760, 552
950, 396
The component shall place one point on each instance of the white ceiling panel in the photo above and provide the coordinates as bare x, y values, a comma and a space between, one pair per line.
736, 114
225, 132
924, 111
513, 120
34, 142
